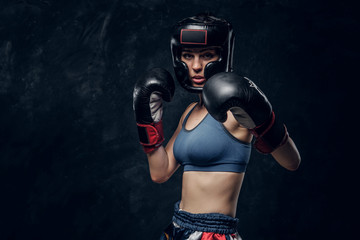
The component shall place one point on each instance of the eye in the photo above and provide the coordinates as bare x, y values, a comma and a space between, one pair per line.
208, 56
187, 56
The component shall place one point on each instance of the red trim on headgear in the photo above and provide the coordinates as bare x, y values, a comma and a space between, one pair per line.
193, 30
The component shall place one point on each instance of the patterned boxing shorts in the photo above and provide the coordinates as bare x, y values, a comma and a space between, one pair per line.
204, 226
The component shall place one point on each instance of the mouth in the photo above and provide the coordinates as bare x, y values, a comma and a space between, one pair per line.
198, 79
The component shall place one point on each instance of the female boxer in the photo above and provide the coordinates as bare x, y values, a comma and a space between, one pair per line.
213, 138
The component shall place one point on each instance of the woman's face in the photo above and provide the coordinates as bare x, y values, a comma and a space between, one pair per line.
196, 60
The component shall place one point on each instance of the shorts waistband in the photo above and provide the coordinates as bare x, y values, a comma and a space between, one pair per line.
205, 222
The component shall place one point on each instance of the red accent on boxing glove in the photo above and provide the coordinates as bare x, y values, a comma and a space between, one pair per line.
151, 135
269, 135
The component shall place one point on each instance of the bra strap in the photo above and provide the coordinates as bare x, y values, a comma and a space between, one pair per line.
187, 115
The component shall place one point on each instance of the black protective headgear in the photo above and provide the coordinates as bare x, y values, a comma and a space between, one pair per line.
202, 30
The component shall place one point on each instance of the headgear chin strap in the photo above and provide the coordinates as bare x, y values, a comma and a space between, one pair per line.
201, 31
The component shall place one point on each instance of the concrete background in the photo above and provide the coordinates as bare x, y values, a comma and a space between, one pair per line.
70, 163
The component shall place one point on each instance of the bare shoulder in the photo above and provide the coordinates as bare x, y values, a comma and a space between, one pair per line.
237, 130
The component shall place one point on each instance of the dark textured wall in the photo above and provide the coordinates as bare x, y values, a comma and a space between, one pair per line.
70, 163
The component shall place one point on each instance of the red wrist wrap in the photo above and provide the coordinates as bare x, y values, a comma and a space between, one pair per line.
151, 135
269, 135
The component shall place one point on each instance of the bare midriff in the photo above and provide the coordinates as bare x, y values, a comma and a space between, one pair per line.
211, 192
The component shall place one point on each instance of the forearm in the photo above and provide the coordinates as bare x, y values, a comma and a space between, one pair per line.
287, 155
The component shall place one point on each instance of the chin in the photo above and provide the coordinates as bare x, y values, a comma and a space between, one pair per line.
198, 85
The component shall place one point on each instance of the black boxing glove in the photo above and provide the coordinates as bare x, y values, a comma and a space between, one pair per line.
156, 85
249, 105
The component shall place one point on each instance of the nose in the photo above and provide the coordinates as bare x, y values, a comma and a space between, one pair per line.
197, 65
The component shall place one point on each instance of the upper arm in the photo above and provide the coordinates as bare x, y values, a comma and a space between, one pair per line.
162, 162
287, 155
